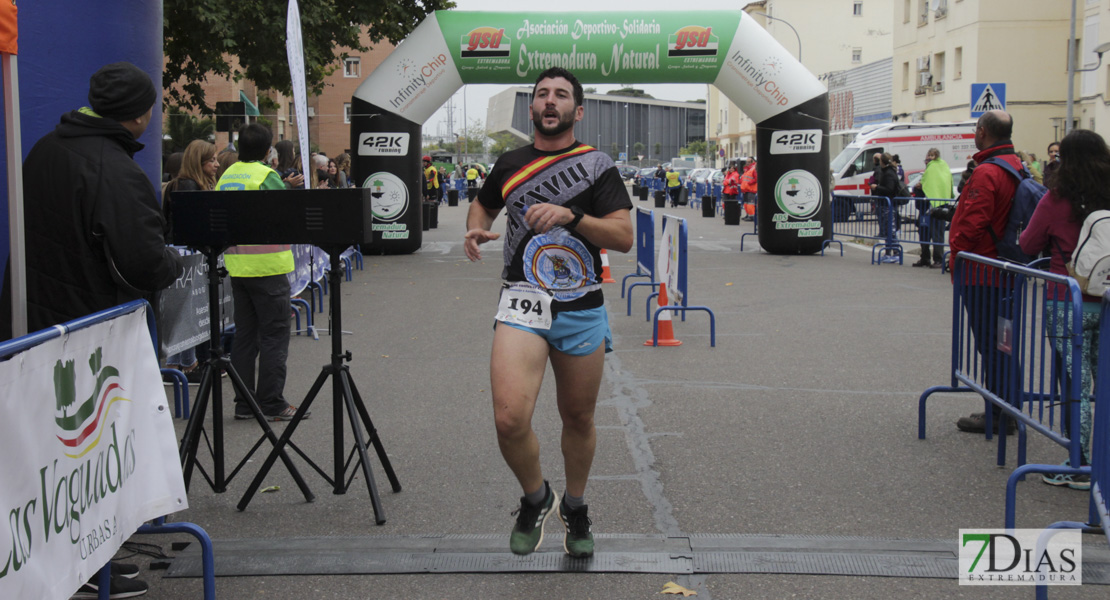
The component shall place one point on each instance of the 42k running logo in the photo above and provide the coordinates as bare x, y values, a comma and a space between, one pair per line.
81, 424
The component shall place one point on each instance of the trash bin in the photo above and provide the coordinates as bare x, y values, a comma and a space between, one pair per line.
471, 194
708, 206
644, 193
732, 212
660, 198
435, 215
635, 189
426, 222
452, 197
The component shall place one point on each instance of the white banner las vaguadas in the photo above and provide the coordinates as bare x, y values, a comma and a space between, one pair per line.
89, 454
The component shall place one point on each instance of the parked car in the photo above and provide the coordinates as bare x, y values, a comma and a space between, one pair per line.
699, 175
645, 176
717, 177
627, 171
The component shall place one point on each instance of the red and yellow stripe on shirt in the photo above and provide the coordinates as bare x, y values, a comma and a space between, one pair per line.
530, 169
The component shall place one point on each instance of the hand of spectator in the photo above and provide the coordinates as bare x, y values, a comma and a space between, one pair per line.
295, 180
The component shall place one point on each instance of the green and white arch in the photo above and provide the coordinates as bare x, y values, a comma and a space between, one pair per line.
724, 48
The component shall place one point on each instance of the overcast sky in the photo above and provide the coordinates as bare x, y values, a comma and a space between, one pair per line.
477, 95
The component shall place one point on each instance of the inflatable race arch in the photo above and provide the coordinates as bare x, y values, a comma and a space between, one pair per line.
724, 48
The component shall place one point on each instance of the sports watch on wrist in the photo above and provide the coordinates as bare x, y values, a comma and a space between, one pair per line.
578, 214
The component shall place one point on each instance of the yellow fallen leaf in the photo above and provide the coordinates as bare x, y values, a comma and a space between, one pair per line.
272, 488
673, 588
385, 356
728, 284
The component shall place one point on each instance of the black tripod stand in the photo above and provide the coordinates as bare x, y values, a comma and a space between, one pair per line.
344, 396
210, 388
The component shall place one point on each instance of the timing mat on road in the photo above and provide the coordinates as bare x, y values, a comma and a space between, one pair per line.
616, 553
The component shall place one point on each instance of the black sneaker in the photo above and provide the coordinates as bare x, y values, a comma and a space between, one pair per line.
579, 541
127, 570
121, 587
528, 530
977, 423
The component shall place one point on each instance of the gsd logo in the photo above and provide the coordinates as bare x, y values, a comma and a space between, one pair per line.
692, 40
485, 42
80, 428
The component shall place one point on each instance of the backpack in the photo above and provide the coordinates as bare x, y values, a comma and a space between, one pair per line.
1090, 263
903, 194
1026, 197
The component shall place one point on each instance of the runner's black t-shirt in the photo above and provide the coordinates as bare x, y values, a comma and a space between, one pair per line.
562, 262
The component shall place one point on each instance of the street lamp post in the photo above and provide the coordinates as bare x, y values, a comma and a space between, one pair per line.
788, 25
627, 156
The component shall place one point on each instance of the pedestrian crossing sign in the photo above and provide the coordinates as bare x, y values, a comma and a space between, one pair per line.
986, 97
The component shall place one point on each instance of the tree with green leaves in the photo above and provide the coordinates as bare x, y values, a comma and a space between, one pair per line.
183, 128
504, 141
246, 39
630, 91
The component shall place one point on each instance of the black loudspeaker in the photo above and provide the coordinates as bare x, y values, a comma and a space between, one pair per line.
230, 116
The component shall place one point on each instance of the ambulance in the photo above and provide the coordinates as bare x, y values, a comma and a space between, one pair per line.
852, 168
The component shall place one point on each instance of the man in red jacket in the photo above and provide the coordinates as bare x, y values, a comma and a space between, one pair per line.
980, 219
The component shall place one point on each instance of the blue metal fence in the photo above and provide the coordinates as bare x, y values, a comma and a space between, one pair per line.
645, 252
682, 288
1017, 341
893, 224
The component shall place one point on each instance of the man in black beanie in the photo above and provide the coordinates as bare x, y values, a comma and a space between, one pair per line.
94, 229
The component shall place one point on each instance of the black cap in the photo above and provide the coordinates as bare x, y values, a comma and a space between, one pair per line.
121, 92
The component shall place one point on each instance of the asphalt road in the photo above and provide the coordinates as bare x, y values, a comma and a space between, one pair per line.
802, 421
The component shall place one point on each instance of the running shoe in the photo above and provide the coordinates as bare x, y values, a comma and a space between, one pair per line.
528, 532
579, 541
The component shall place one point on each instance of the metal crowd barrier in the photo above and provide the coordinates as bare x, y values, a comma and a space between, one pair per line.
1015, 331
21, 344
645, 252
891, 223
1099, 517
682, 288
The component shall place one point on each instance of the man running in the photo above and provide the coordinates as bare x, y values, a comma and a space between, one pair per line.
564, 202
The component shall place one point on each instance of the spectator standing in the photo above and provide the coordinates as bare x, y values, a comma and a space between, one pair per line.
1079, 188
288, 166
674, 185
661, 175
1052, 163
260, 289
980, 219
749, 187
431, 180
471, 183
197, 172
343, 163
579, 220
886, 187
936, 185
94, 230
731, 187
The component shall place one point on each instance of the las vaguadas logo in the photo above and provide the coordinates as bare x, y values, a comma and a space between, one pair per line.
80, 425
692, 40
485, 42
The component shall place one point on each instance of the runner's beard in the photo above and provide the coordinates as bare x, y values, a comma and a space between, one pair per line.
566, 121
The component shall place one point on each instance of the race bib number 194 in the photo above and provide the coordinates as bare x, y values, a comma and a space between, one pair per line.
525, 304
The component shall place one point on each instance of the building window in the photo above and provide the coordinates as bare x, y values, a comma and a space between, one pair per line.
922, 12
857, 8
352, 66
857, 55
905, 76
347, 112
938, 72
906, 11
958, 63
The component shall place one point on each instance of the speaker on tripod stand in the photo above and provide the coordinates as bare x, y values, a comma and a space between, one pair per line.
331, 219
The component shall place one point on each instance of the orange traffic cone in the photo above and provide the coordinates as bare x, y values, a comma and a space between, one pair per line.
606, 276
666, 330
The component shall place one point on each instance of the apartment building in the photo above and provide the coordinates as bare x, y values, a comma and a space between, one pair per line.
943, 47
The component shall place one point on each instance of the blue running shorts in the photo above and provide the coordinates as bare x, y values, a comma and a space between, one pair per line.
576, 332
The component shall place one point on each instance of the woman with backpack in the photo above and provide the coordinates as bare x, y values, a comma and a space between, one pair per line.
1075, 190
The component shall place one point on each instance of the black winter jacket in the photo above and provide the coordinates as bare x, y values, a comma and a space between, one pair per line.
86, 202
